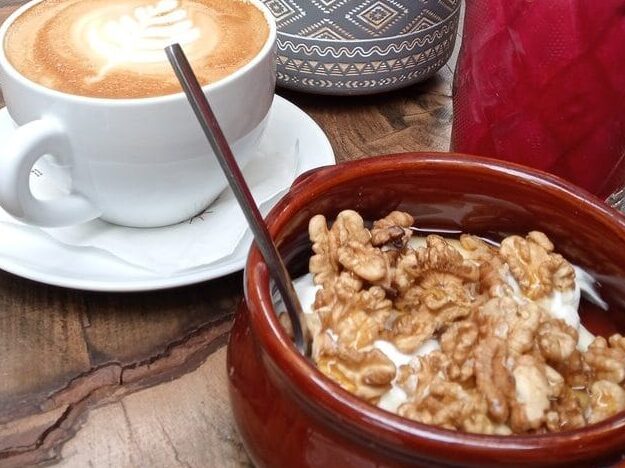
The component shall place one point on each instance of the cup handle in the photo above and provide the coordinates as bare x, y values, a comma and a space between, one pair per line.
17, 156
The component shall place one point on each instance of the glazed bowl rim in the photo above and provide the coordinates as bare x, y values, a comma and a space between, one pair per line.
387, 429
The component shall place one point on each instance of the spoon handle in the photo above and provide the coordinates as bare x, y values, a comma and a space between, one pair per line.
231, 169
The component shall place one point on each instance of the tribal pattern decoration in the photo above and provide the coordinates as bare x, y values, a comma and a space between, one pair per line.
359, 19
362, 46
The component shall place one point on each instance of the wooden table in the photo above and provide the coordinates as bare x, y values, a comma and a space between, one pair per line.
93, 379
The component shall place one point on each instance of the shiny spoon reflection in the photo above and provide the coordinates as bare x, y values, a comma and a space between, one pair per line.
231, 169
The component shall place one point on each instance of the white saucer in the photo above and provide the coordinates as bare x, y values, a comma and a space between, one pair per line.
41, 258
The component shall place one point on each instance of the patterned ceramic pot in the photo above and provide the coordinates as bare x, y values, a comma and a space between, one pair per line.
362, 46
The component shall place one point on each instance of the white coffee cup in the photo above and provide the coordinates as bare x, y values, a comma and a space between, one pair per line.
134, 162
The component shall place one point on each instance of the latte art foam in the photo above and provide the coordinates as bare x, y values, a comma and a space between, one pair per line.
114, 48
139, 38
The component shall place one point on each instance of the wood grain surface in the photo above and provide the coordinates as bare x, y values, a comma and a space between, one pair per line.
94, 379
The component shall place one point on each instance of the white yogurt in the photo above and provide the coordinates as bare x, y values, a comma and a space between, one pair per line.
306, 291
396, 397
401, 359
586, 283
393, 399
565, 305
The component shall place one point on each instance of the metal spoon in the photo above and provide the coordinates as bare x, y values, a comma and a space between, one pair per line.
228, 164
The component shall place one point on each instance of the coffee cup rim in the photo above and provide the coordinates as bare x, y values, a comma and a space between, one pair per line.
5, 64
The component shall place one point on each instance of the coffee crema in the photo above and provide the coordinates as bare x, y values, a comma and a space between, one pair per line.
115, 48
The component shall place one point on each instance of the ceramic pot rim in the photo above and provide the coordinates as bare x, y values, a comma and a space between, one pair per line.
365, 420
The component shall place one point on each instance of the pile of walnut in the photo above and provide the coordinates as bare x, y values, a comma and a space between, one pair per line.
504, 365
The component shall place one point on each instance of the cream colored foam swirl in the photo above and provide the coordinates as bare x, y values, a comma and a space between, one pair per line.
121, 39
115, 48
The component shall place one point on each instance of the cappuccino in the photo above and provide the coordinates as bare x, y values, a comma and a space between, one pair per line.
114, 48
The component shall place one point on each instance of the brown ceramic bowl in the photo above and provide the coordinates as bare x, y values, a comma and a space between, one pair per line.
290, 415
